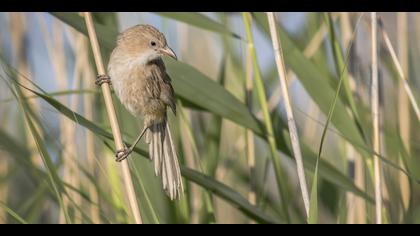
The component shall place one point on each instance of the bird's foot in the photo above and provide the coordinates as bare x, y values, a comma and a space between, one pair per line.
100, 79
122, 154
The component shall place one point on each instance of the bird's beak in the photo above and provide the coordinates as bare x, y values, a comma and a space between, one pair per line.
168, 51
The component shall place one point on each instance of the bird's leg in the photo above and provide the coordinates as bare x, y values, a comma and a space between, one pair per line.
123, 153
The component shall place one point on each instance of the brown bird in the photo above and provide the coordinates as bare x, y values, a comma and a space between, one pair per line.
142, 85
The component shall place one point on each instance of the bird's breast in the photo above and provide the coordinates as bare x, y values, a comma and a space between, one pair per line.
138, 91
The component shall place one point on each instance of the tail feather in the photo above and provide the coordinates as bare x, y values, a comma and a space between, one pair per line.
165, 161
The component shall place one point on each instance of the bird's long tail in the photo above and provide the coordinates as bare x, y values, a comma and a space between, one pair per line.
162, 152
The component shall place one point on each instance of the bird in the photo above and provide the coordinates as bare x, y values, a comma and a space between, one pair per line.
139, 80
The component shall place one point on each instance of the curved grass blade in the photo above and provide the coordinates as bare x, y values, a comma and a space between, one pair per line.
313, 214
55, 94
52, 173
199, 20
340, 62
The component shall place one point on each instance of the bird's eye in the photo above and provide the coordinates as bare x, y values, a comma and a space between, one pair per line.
153, 43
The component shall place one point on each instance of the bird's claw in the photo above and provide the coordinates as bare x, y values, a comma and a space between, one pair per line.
100, 79
122, 154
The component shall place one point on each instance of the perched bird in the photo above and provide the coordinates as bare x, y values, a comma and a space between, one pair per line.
140, 81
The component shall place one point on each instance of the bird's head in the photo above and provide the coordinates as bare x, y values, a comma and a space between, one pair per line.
144, 43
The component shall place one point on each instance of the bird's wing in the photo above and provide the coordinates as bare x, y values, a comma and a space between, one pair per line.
167, 94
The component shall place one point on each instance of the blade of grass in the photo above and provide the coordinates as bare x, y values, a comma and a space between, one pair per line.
340, 65
55, 94
259, 84
249, 135
228, 194
313, 210
343, 73
278, 51
196, 155
53, 176
199, 20
12, 213
398, 66
146, 195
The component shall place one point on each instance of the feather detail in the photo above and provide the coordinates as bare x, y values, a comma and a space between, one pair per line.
165, 160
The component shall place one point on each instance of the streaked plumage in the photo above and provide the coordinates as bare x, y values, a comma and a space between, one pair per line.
141, 83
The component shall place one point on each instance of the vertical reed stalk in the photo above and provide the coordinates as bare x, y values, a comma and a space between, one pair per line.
18, 28
195, 197
185, 124
195, 192
375, 120
313, 46
294, 138
402, 75
67, 128
250, 145
356, 207
106, 91
350, 153
87, 72
403, 106
4, 163
249, 135
259, 84
4, 168
83, 69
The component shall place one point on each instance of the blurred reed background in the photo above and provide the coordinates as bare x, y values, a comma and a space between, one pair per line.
56, 150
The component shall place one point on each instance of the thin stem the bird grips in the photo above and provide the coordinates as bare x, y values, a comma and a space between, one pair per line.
106, 91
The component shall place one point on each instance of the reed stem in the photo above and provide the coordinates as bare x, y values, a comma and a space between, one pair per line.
294, 138
375, 120
260, 90
402, 75
106, 91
